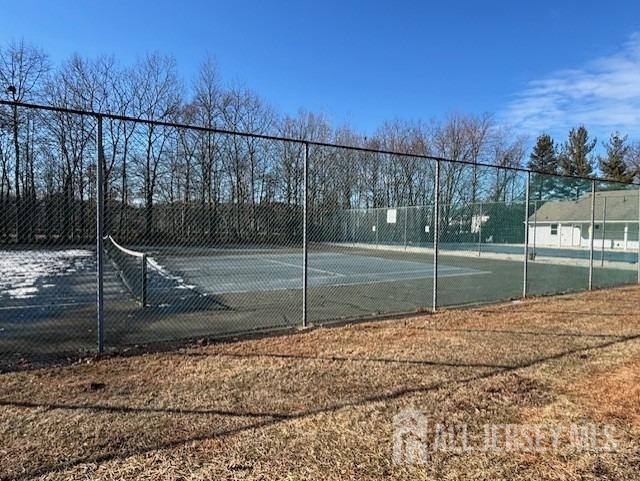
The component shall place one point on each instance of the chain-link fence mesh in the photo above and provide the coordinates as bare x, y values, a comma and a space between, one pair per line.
218, 219
47, 234
204, 233
559, 224
482, 234
616, 234
366, 256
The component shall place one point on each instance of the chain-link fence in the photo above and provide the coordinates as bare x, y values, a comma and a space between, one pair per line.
117, 232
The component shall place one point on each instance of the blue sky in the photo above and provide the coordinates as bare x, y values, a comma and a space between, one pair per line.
538, 65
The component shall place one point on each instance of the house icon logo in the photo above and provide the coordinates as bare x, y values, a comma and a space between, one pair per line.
410, 443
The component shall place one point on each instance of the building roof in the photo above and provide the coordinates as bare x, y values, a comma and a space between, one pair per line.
621, 206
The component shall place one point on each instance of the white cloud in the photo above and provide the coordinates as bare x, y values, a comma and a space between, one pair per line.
603, 95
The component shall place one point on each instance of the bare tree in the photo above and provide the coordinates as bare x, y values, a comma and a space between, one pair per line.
125, 91
88, 85
478, 131
291, 170
206, 186
404, 176
158, 98
450, 141
71, 136
508, 153
244, 162
634, 159
207, 112
5, 182
23, 68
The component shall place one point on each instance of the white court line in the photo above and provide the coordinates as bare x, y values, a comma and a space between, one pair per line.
344, 284
46, 306
337, 274
334, 274
55, 300
401, 273
421, 275
280, 280
234, 259
245, 291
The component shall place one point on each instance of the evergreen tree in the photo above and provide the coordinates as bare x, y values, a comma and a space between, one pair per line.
543, 158
614, 166
576, 156
576, 159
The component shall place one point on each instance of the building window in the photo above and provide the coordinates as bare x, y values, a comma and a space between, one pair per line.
554, 229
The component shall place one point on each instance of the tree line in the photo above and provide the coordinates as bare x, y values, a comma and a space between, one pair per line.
576, 157
187, 185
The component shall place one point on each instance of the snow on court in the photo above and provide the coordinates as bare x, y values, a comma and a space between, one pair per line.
160, 269
22, 270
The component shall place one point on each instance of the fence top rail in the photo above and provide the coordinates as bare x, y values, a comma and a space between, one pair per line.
214, 130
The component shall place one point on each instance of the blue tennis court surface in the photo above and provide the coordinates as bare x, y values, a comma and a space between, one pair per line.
268, 272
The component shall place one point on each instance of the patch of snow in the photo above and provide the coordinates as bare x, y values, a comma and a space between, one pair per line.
22, 269
23, 292
160, 269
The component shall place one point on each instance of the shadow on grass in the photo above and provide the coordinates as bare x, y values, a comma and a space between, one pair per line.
541, 332
275, 418
301, 357
134, 409
525, 310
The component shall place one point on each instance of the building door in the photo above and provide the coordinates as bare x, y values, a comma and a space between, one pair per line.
575, 240
566, 235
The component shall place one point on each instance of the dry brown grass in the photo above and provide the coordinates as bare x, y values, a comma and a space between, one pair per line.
614, 393
320, 404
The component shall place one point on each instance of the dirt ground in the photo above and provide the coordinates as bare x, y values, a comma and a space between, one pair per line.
320, 404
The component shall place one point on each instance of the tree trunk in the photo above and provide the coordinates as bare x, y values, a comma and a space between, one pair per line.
148, 213
123, 232
16, 145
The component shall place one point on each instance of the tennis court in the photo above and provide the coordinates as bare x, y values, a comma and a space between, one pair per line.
195, 292
228, 274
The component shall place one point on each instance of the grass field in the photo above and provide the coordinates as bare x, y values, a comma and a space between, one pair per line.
320, 404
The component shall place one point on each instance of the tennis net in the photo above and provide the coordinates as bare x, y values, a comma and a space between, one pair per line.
131, 267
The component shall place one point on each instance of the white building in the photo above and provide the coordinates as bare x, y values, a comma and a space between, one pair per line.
567, 223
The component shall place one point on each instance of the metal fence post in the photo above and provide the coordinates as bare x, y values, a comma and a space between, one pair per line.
535, 225
355, 223
305, 247
526, 236
406, 218
436, 234
480, 231
144, 279
100, 232
604, 229
377, 227
593, 232
638, 259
